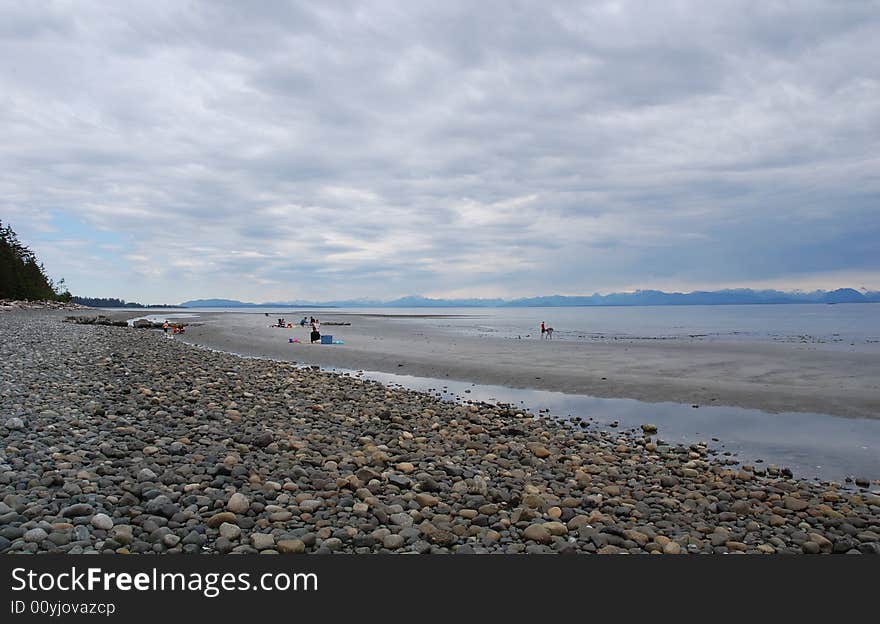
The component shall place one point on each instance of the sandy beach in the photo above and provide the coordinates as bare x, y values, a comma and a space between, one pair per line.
774, 377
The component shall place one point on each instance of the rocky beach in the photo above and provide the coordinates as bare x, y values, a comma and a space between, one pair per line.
121, 440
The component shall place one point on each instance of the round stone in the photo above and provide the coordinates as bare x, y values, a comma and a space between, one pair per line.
672, 548
310, 505
393, 541
219, 518
102, 521
35, 535
401, 519
238, 503
262, 541
537, 533
293, 546
230, 531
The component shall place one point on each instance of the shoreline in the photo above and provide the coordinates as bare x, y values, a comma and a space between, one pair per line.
120, 440
790, 440
771, 377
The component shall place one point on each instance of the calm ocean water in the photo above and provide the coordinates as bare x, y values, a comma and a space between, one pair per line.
844, 326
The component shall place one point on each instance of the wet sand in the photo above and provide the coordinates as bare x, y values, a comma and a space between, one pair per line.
772, 377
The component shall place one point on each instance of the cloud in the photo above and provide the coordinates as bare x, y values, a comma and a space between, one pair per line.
294, 150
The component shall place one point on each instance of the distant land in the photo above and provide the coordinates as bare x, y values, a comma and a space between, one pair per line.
111, 302
739, 296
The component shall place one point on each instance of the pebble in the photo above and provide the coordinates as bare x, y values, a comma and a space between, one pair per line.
293, 546
310, 505
794, 504
102, 521
238, 503
122, 533
218, 519
810, 548
360, 508
556, 528
393, 541
538, 533
672, 548
35, 535
401, 519
262, 541
80, 509
230, 531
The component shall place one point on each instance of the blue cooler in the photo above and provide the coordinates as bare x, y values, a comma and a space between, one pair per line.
325, 339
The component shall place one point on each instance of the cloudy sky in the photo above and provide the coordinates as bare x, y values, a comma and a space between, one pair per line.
162, 151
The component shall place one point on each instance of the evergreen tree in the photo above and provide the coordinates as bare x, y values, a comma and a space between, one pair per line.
21, 275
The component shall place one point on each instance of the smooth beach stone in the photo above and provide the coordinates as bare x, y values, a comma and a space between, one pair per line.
230, 531
393, 541
220, 518
102, 521
35, 535
401, 519
238, 504
293, 546
80, 509
538, 533
262, 541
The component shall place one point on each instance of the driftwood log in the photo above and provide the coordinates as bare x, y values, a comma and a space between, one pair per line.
103, 320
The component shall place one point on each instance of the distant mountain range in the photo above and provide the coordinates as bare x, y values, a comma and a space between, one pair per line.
738, 296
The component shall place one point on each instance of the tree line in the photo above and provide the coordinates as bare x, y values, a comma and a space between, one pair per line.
113, 302
22, 277
104, 302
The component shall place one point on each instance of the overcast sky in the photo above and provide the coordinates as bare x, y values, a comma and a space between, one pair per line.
163, 151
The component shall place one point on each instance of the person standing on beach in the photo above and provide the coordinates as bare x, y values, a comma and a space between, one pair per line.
543, 329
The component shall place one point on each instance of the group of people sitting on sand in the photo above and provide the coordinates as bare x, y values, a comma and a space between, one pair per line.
282, 323
314, 324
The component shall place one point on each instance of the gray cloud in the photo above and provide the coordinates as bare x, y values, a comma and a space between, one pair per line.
376, 149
